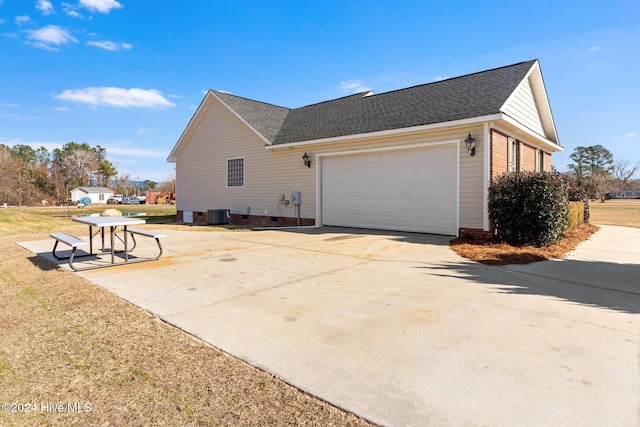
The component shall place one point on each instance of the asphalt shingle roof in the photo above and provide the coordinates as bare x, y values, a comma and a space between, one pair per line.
472, 95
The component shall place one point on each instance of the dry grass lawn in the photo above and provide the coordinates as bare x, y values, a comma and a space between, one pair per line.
616, 212
65, 341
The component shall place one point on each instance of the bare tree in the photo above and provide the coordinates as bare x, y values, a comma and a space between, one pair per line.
81, 165
8, 172
623, 171
602, 183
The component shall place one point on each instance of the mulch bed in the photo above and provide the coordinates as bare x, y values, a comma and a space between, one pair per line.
502, 254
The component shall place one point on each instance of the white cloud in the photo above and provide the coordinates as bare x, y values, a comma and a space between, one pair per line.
62, 109
70, 10
45, 7
109, 45
629, 135
353, 86
102, 6
2, 104
22, 19
440, 78
596, 49
117, 97
50, 36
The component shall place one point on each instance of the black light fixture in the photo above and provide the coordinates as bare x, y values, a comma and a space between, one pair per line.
470, 142
306, 160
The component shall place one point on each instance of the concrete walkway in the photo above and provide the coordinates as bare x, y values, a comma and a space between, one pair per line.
398, 329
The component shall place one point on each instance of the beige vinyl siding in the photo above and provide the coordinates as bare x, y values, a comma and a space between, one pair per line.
472, 182
522, 107
201, 168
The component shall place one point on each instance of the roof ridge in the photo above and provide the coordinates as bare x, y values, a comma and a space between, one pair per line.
362, 94
452, 78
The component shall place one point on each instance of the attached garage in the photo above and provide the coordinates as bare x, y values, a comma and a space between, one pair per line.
412, 189
397, 160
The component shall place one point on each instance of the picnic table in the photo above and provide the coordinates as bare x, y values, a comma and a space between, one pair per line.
110, 222
102, 223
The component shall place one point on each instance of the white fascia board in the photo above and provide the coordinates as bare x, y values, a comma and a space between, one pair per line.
550, 144
391, 132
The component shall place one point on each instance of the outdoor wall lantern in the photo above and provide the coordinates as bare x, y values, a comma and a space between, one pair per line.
306, 159
471, 145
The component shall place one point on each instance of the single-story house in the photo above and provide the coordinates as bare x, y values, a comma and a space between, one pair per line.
624, 194
96, 194
416, 159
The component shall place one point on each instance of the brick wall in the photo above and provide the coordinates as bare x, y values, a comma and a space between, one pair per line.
527, 157
275, 221
498, 153
547, 162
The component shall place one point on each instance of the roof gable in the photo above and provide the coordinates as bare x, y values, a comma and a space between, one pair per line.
529, 105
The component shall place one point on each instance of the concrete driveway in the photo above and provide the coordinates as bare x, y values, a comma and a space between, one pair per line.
398, 329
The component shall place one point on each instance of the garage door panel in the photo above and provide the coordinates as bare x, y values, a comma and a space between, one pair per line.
407, 190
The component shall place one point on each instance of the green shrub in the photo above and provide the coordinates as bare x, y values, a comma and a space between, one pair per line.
575, 214
529, 208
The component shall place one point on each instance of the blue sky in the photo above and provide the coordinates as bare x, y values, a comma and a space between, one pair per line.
128, 74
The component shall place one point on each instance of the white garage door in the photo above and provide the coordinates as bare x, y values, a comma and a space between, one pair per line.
404, 190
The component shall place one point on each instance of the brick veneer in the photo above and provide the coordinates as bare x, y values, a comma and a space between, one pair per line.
547, 162
498, 153
275, 221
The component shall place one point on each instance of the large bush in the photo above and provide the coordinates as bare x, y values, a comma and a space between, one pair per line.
529, 208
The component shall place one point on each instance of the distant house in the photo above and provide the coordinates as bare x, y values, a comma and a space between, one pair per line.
624, 194
96, 194
416, 159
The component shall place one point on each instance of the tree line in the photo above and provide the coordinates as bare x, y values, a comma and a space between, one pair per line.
31, 176
595, 171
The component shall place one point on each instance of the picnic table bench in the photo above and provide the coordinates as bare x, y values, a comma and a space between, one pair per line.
146, 233
68, 240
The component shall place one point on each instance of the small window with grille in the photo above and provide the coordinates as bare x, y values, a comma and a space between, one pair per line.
235, 172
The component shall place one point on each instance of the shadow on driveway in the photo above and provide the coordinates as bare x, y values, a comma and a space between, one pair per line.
591, 283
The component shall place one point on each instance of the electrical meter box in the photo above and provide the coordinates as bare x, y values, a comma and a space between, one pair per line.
295, 197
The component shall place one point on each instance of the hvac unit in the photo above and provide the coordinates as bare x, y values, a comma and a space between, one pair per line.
218, 216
